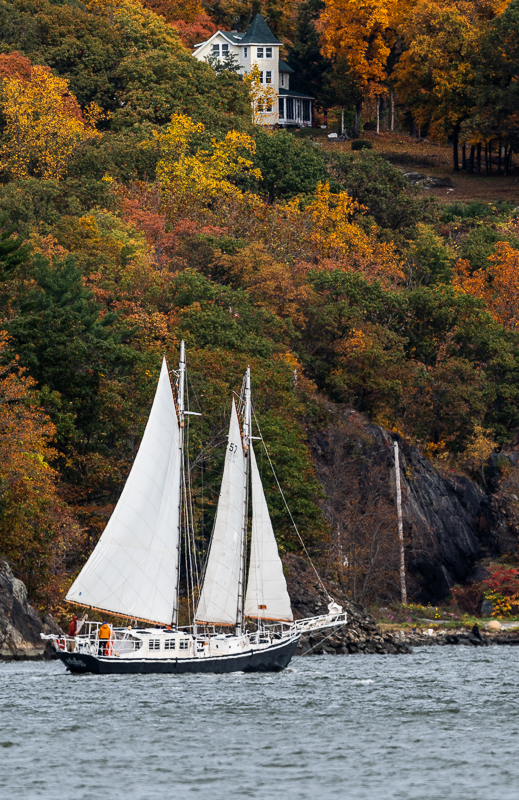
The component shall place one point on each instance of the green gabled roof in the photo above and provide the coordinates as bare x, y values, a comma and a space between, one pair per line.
259, 33
283, 66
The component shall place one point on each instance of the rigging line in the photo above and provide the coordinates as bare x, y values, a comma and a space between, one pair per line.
288, 510
319, 643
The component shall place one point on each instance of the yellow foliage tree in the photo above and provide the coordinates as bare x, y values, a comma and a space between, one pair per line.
263, 96
44, 124
362, 33
187, 177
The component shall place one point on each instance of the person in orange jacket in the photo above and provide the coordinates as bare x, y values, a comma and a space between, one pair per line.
104, 635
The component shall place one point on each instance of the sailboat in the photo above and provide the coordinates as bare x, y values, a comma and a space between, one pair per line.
134, 570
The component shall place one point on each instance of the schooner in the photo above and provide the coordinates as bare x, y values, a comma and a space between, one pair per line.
134, 570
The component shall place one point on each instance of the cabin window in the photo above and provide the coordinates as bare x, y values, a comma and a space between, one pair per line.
259, 52
268, 77
169, 644
184, 644
216, 49
225, 49
245, 52
268, 52
281, 107
306, 110
154, 644
290, 108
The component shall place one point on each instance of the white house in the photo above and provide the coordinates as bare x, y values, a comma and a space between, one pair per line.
258, 45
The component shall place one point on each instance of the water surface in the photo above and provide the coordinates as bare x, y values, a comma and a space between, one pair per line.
441, 724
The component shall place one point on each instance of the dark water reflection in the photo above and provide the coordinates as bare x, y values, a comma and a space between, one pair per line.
441, 724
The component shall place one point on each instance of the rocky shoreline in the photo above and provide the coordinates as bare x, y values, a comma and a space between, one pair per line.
352, 640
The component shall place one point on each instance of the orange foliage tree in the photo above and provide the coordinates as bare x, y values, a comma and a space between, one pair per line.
498, 285
34, 524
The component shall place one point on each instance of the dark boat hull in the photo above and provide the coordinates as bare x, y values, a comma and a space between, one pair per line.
273, 659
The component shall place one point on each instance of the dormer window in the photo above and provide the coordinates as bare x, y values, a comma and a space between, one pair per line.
268, 52
259, 52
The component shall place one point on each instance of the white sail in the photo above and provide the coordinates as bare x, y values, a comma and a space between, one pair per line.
132, 571
267, 595
219, 596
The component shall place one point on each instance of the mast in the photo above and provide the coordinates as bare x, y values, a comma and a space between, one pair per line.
181, 418
246, 471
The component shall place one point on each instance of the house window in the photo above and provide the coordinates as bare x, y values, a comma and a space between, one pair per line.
281, 80
154, 644
261, 77
306, 110
268, 77
281, 108
268, 52
225, 49
245, 52
216, 49
259, 52
269, 108
169, 644
290, 108
184, 644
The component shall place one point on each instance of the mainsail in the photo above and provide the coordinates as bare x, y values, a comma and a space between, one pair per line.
267, 595
133, 568
220, 593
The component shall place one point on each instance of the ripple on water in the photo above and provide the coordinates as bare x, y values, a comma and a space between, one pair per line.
441, 723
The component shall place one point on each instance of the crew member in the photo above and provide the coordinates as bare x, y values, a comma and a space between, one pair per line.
104, 635
72, 630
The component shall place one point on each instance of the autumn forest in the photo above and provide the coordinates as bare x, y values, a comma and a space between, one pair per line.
140, 205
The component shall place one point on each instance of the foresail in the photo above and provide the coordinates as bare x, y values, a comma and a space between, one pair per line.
267, 595
133, 568
219, 596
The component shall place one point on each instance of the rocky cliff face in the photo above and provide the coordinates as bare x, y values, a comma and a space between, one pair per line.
20, 625
450, 523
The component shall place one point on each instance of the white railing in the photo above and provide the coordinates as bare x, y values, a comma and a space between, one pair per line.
316, 623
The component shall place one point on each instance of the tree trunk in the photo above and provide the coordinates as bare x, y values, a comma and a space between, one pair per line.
499, 157
490, 157
403, 588
455, 161
378, 116
342, 121
471, 159
464, 156
486, 159
358, 113
479, 159
392, 111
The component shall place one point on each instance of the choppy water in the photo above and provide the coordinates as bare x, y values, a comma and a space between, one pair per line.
441, 724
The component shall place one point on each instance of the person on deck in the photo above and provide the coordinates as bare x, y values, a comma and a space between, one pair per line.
72, 630
104, 635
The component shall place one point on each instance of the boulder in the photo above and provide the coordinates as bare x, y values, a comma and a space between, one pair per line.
494, 625
20, 624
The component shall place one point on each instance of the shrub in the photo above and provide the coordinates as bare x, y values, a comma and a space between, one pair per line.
361, 144
469, 598
502, 589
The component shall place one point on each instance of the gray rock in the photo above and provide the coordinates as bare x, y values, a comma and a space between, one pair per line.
20, 625
486, 608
